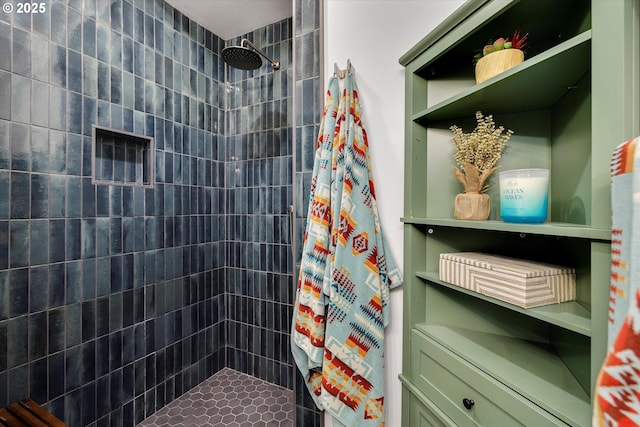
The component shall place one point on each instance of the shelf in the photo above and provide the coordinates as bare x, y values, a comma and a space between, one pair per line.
568, 315
531, 369
559, 229
537, 83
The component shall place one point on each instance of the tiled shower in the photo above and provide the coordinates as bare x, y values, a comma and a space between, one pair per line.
117, 299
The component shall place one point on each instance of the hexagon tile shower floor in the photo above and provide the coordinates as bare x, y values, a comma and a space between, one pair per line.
228, 398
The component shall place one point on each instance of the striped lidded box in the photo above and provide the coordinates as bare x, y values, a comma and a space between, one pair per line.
523, 283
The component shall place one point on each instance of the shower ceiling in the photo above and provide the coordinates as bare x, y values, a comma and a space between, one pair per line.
232, 18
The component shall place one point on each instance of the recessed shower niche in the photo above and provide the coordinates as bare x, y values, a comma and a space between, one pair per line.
122, 158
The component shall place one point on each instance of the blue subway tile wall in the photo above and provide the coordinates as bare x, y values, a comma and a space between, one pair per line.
112, 300
141, 271
258, 176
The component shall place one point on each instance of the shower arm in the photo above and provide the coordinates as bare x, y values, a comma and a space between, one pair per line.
274, 63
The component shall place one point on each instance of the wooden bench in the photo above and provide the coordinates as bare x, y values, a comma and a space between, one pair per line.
28, 413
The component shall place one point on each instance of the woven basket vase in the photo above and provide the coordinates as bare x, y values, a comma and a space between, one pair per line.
472, 206
497, 62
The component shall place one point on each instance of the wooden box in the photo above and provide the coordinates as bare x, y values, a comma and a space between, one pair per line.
523, 283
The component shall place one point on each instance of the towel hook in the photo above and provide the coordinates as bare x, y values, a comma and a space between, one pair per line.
341, 74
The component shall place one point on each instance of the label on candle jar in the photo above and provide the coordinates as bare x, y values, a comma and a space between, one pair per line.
524, 195
517, 193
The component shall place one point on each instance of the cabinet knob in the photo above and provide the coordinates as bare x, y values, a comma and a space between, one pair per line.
468, 403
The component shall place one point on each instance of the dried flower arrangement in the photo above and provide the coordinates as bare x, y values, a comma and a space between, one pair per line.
478, 152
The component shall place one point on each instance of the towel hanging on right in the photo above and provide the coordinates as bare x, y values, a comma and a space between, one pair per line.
342, 301
616, 401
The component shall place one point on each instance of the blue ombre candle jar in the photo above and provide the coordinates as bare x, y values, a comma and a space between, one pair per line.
524, 195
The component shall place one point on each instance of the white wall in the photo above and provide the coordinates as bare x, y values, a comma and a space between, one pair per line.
374, 34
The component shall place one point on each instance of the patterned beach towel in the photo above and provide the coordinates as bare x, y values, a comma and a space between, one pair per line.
617, 399
346, 272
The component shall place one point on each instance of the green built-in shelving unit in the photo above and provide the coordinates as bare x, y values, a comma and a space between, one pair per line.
570, 103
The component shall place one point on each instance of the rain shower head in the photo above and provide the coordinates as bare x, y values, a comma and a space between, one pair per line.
246, 58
